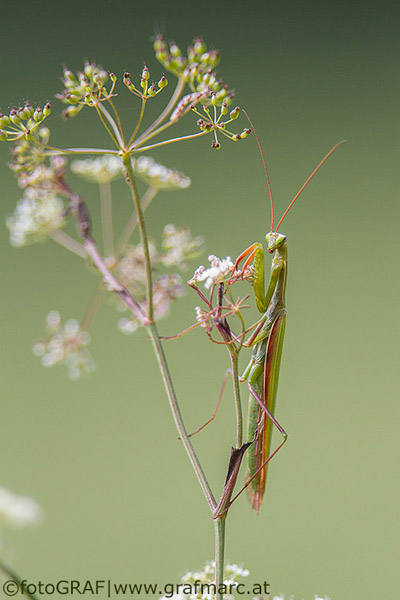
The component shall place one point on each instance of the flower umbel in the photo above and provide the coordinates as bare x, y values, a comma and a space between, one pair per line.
103, 169
35, 217
158, 176
66, 345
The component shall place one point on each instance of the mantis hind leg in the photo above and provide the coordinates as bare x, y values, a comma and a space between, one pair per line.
221, 393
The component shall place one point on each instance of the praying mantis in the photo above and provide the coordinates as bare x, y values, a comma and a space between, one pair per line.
262, 372
266, 341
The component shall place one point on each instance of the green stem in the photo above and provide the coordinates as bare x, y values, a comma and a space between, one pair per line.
238, 404
17, 579
113, 124
174, 99
138, 123
107, 127
106, 219
163, 365
143, 233
133, 221
219, 530
172, 140
121, 129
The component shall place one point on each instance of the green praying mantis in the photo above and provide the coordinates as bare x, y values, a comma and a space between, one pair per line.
266, 341
262, 372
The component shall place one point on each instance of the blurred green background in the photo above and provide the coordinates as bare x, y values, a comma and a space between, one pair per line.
101, 455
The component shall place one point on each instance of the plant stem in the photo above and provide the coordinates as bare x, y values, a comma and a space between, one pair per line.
174, 99
138, 123
163, 365
106, 219
133, 220
238, 404
68, 242
113, 124
143, 233
14, 577
219, 530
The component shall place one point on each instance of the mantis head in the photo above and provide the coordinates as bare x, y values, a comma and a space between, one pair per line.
274, 241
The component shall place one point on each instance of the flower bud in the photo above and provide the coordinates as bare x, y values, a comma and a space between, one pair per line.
3, 135
163, 82
113, 77
224, 108
234, 113
151, 91
214, 99
47, 110
245, 133
175, 50
14, 117
145, 73
4, 120
199, 46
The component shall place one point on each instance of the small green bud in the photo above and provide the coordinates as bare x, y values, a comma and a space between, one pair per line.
234, 113
224, 108
245, 133
4, 120
47, 110
215, 145
88, 69
72, 99
163, 82
14, 117
175, 50
199, 46
3, 135
214, 99
143, 83
145, 73
68, 74
38, 115
113, 77
151, 91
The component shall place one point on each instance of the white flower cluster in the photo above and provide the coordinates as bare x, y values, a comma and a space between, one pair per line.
166, 288
219, 268
36, 216
193, 580
158, 176
18, 511
98, 170
66, 345
44, 177
180, 246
